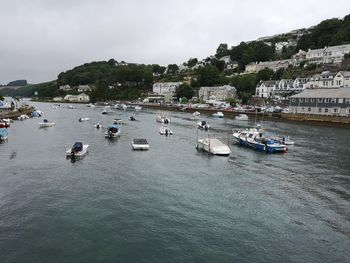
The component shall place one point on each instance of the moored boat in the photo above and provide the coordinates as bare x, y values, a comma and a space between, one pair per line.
83, 119
98, 125
118, 121
78, 150
165, 131
162, 119
242, 117
140, 144
46, 123
112, 131
196, 113
203, 125
213, 146
218, 114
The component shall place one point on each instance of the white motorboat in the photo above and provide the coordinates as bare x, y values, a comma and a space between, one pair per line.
98, 126
203, 125
242, 117
218, 114
104, 112
286, 140
138, 108
165, 131
3, 134
112, 131
45, 123
71, 107
84, 119
78, 150
213, 146
118, 121
162, 119
90, 105
140, 144
196, 113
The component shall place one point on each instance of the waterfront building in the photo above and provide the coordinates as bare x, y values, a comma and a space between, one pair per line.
266, 88
330, 101
77, 98
220, 93
161, 88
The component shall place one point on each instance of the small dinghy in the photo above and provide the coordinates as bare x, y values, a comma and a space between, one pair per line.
45, 123
218, 114
118, 121
242, 117
196, 113
104, 112
113, 131
132, 118
165, 131
162, 119
140, 144
98, 126
203, 125
138, 108
83, 119
78, 150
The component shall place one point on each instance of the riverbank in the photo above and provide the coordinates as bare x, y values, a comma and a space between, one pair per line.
8, 114
319, 120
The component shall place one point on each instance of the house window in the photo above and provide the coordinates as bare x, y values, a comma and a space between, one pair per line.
309, 109
326, 110
334, 100
347, 101
302, 109
293, 100
300, 100
320, 110
326, 100
306, 100
349, 111
320, 100
340, 100
312, 100
335, 110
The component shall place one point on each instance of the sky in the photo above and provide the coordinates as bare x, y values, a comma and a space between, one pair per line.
41, 38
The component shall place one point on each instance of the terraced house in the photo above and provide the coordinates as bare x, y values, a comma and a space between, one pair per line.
330, 101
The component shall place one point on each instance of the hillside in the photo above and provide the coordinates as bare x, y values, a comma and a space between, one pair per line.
120, 80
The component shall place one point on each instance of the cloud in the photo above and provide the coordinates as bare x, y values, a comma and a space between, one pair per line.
41, 38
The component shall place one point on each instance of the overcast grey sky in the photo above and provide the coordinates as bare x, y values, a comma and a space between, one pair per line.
41, 38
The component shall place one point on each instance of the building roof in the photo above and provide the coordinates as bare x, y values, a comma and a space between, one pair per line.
324, 93
346, 74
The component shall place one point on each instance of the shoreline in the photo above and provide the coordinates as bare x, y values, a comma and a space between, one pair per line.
308, 119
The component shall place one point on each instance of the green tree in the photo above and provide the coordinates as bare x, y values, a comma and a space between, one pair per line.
184, 90
192, 62
209, 76
222, 50
173, 68
265, 74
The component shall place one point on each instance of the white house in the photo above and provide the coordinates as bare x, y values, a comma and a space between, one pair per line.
220, 93
323, 80
77, 98
162, 88
342, 79
65, 87
327, 55
84, 88
265, 89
